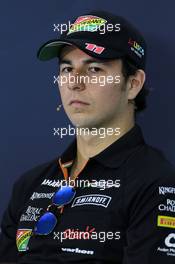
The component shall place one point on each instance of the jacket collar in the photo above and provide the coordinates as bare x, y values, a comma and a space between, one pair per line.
114, 155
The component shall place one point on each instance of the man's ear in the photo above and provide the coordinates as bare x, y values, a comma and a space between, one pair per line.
135, 83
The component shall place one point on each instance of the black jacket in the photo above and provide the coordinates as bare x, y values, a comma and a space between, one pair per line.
126, 215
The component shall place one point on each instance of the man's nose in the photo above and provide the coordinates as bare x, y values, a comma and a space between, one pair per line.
76, 81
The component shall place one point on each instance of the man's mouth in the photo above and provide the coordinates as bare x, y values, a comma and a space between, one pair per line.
78, 103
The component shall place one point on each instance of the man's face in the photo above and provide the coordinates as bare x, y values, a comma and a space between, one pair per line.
97, 100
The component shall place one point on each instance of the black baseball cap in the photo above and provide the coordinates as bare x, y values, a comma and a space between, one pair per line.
102, 35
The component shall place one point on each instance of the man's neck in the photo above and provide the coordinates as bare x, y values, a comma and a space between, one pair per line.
90, 145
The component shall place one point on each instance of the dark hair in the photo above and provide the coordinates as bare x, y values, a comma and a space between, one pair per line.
140, 100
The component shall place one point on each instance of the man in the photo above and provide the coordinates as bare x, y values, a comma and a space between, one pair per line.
123, 212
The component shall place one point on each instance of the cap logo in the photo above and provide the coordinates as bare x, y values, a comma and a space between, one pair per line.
86, 23
94, 48
139, 51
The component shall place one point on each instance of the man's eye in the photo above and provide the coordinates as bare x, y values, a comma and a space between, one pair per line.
65, 70
95, 69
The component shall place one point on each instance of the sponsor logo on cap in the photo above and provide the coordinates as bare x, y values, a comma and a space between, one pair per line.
166, 221
86, 23
136, 48
22, 239
96, 49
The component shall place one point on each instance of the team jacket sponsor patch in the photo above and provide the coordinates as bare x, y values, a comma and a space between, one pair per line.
169, 206
78, 251
22, 239
166, 221
166, 190
92, 199
168, 247
36, 195
31, 214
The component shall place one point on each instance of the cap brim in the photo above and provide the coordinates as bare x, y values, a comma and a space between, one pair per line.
52, 49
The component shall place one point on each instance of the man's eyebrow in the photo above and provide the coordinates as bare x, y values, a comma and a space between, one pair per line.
86, 61
63, 61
